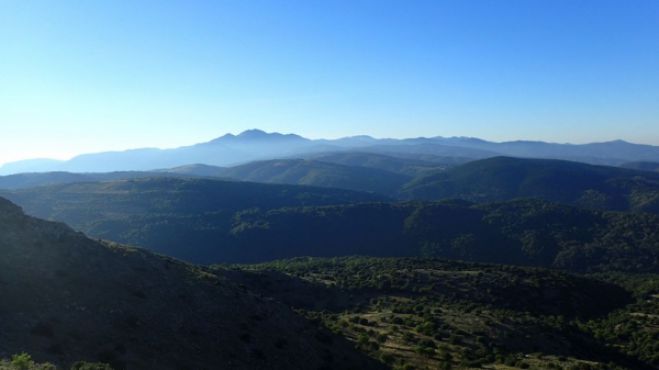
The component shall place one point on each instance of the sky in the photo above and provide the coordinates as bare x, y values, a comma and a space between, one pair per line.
89, 76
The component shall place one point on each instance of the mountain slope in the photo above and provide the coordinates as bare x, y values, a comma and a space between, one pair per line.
438, 314
67, 298
208, 221
502, 178
39, 179
400, 165
184, 218
531, 233
643, 166
318, 173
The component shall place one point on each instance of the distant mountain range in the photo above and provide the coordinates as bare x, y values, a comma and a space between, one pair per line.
252, 145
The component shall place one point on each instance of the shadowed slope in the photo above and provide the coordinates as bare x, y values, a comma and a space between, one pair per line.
67, 298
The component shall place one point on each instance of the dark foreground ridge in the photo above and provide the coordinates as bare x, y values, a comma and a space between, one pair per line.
66, 298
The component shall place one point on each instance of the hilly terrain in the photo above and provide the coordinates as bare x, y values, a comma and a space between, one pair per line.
643, 166
320, 173
503, 178
67, 298
425, 313
39, 179
208, 221
436, 178
409, 165
528, 232
347, 170
184, 218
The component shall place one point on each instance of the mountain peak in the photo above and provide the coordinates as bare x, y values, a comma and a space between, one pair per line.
256, 133
258, 136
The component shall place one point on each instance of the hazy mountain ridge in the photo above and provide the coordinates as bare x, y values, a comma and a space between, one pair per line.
258, 145
347, 170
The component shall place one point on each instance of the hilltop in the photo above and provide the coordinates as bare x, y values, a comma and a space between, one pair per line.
503, 178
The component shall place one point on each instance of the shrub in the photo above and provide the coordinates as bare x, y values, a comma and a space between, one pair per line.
22, 361
81, 365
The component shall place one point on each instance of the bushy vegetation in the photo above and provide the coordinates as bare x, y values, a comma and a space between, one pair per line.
206, 222
438, 314
24, 361
534, 233
634, 329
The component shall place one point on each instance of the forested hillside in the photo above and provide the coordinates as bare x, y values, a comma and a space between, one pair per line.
502, 178
207, 221
66, 298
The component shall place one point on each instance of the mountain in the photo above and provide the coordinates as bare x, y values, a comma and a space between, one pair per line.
209, 221
67, 298
410, 178
319, 173
606, 153
347, 170
227, 150
30, 165
259, 137
502, 178
252, 145
643, 166
184, 218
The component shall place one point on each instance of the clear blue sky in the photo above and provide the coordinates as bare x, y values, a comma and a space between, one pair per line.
86, 76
